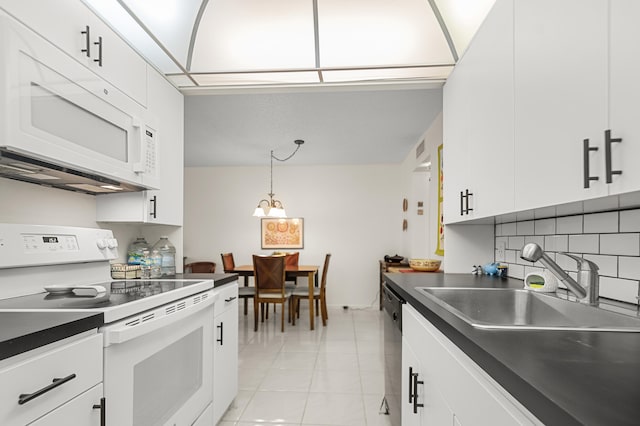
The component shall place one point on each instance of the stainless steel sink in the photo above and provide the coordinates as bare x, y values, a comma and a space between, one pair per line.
515, 309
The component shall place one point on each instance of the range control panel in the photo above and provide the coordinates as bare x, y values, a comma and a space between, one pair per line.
37, 245
34, 243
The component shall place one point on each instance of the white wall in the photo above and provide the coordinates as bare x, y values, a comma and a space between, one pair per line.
420, 239
353, 212
34, 204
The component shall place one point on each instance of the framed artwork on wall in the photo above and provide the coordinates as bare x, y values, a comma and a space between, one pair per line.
282, 233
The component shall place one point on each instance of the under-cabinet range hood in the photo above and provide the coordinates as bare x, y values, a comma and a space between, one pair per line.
27, 169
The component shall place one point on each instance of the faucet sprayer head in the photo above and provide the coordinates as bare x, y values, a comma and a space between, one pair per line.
531, 252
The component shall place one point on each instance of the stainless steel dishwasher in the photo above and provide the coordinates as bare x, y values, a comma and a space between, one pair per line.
392, 303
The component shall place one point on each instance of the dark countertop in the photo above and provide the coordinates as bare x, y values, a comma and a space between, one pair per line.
23, 331
562, 377
218, 279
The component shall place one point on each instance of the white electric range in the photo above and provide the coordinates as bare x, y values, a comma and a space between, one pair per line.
157, 334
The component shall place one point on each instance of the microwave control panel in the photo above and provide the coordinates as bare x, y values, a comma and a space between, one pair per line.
151, 154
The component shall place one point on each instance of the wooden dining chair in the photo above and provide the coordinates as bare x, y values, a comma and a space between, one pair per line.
269, 286
319, 294
200, 268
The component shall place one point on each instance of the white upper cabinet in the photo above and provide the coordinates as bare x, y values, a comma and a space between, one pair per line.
624, 97
73, 28
560, 100
165, 206
478, 121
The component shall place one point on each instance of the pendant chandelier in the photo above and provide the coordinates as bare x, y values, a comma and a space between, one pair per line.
273, 207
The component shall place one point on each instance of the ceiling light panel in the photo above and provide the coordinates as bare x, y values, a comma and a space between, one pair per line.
120, 20
380, 32
255, 35
463, 17
171, 21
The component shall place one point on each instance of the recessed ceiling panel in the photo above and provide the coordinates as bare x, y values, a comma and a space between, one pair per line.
171, 21
380, 32
255, 35
386, 74
463, 17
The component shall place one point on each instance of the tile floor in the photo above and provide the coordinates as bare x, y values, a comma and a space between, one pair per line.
333, 375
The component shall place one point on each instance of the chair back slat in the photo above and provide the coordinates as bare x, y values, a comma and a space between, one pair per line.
325, 269
200, 267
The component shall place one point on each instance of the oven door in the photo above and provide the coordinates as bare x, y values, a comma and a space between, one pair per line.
158, 365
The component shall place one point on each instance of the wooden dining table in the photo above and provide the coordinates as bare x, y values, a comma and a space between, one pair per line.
309, 271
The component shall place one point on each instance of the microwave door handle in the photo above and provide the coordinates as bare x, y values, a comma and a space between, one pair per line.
140, 166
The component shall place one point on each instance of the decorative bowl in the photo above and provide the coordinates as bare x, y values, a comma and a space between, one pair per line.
425, 265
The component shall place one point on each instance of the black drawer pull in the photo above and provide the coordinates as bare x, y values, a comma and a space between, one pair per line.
416, 382
220, 340
231, 299
103, 411
23, 398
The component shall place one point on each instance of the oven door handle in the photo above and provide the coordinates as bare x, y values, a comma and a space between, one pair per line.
121, 332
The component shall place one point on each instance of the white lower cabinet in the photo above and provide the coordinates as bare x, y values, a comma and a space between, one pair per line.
225, 353
56, 385
451, 389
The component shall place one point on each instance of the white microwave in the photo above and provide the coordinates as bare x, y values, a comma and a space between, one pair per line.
62, 123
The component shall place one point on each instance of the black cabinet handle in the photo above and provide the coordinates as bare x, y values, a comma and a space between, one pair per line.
585, 157
23, 398
103, 411
99, 44
154, 202
231, 299
221, 327
410, 385
416, 382
87, 41
468, 209
607, 154
461, 203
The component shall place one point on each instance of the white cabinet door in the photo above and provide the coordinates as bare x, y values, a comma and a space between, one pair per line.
76, 30
225, 355
624, 92
478, 120
560, 100
455, 386
412, 395
165, 206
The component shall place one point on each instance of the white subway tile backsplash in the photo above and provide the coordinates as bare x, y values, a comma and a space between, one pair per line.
556, 243
629, 267
538, 239
515, 243
584, 243
516, 271
509, 229
610, 239
599, 223
545, 226
524, 228
619, 289
630, 221
607, 265
569, 225
621, 244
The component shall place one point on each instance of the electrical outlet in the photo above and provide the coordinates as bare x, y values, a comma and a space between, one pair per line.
500, 249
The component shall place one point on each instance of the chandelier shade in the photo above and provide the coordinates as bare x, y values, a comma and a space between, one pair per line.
272, 207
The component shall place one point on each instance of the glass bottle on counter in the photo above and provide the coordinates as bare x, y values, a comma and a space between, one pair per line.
145, 265
156, 263
135, 251
167, 252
